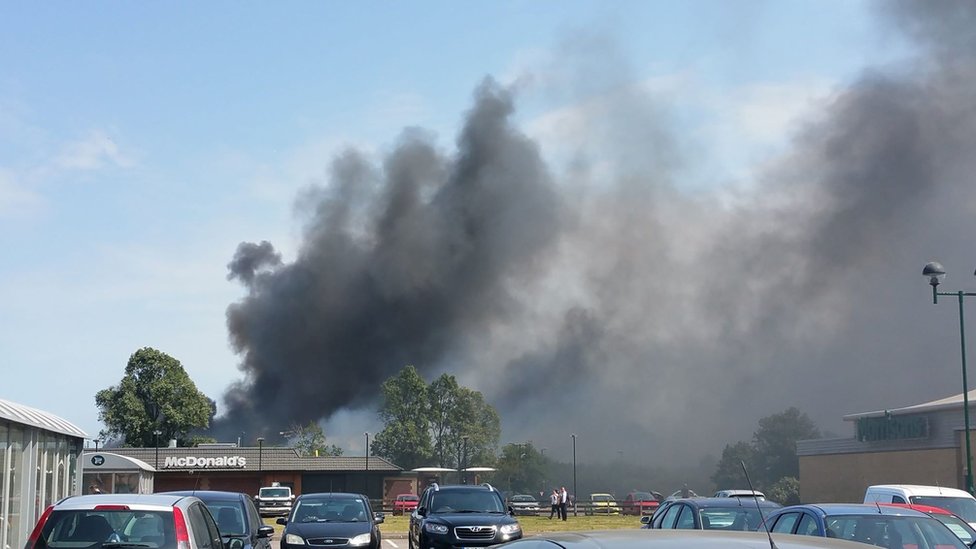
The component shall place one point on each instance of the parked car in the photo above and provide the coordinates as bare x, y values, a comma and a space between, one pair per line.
335, 519
710, 514
674, 539
153, 521
524, 504
603, 504
958, 526
461, 515
641, 503
274, 500
405, 503
880, 525
237, 518
739, 494
959, 502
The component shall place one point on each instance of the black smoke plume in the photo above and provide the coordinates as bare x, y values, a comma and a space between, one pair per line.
604, 298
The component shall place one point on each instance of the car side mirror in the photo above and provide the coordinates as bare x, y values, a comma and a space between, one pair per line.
511, 510
266, 531
379, 518
422, 511
282, 520
646, 519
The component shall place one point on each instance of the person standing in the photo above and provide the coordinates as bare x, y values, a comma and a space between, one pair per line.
563, 500
554, 504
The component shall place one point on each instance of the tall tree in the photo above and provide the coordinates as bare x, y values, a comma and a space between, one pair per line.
154, 394
405, 439
775, 443
309, 440
458, 413
728, 473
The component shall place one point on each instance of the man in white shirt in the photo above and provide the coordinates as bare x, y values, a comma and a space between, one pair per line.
563, 499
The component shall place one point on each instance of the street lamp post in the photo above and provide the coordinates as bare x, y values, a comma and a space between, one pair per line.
575, 494
156, 434
260, 451
464, 460
935, 273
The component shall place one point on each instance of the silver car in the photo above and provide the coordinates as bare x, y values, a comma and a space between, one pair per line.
114, 521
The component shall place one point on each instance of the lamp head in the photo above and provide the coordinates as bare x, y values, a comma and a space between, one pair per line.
935, 272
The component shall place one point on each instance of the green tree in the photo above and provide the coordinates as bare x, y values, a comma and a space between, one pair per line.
309, 440
405, 439
522, 469
775, 443
728, 472
457, 413
154, 394
785, 490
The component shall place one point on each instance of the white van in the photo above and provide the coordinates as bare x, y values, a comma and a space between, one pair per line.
958, 502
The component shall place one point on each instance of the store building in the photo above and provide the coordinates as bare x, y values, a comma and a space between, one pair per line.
920, 444
246, 469
39, 464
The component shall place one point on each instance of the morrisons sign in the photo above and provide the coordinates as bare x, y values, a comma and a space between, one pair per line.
892, 428
195, 462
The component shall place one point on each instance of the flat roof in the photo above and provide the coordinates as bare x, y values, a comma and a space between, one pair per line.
950, 402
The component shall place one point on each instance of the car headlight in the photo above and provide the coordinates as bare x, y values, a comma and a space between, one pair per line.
509, 529
294, 539
435, 528
361, 539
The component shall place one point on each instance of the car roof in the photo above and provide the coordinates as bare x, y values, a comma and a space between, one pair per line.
327, 495
834, 509
449, 487
148, 500
684, 539
922, 490
749, 502
207, 495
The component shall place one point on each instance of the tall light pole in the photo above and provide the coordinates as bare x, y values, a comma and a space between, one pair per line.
464, 462
156, 434
366, 474
260, 451
575, 494
935, 272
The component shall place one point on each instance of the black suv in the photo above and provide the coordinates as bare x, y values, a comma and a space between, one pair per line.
464, 515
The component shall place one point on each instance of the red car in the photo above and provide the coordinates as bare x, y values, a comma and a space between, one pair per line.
959, 527
640, 503
405, 503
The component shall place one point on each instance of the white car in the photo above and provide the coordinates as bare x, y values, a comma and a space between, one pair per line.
739, 494
958, 502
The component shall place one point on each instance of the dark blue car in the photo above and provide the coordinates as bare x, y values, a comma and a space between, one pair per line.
334, 519
237, 519
878, 525
710, 514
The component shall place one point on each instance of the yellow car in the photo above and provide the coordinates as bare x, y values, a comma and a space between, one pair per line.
603, 504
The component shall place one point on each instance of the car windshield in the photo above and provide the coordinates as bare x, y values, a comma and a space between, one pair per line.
731, 518
329, 510
72, 529
229, 515
275, 492
466, 502
893, 531
958, 526
641, 496
601, 497
523, 498
962, 507
408, 498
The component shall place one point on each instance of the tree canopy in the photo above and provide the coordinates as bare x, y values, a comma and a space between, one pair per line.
309, 440
442, 424
770, 456
155, 393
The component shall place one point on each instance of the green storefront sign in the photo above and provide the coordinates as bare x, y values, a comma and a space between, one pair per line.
892, 428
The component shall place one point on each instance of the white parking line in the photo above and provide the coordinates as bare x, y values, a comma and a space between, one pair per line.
390, 541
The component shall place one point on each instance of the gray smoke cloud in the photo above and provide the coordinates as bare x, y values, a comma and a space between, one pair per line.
603, 298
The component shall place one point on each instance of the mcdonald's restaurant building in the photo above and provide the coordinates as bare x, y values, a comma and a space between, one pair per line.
920, 444
246, 469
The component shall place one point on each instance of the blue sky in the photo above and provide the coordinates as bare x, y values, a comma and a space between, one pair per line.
141, 142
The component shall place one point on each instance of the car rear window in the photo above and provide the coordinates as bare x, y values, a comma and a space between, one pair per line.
70, 529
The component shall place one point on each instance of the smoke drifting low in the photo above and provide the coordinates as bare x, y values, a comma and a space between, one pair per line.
604, 298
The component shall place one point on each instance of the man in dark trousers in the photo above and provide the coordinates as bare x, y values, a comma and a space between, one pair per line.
563, 500
554, 504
